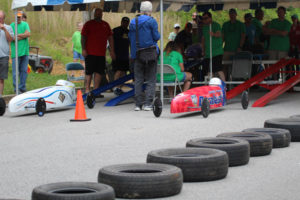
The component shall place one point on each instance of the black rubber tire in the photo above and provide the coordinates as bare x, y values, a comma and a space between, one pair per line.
40, 107
291, 124
245, 100
205, 108
157, 107
260, 143
238, 150
73, 191
137, 181
2, 106
197, 164
281, 137
90, 100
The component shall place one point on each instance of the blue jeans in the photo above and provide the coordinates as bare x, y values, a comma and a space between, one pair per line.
23, 64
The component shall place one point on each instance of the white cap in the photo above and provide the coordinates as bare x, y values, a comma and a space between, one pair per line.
176, 25
146, 6
215, 81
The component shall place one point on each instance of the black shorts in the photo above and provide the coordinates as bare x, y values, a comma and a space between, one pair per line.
216, 64
95, 64
120, 65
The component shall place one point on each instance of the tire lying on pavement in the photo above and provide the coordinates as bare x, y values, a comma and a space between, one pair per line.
260, 143
73, 191
197, 164
291, 124
238, 150
281, 137
137, 181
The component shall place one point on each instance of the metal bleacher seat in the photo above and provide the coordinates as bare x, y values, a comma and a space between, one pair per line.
73, 67
168, 69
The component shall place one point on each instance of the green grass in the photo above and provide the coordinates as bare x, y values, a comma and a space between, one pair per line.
34, 81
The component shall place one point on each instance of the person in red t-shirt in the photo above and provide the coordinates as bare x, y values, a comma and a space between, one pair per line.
94, 36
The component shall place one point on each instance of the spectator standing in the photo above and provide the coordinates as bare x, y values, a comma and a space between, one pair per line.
250, 33
23, 52
256, 21
217, 45
295, 37
121, 41
184, 37
24, 17
194, 18
94, 36
77, 49
148, 37
6, 36
173, 34
233, 35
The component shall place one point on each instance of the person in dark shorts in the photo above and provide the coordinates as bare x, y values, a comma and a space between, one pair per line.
94, 36
121, 63
216, 48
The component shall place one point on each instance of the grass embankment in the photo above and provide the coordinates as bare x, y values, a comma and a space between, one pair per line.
52, 32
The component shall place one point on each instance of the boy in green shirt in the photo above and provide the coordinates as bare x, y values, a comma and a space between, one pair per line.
77, 49
23, 52
217, 45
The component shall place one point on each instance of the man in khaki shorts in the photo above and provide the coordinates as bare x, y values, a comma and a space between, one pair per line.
6, 36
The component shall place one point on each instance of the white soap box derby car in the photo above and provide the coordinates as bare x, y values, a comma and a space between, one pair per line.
47, 98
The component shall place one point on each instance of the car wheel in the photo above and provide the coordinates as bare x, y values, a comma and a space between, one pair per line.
260, 143
2, 106
245, 100
197, 164
74, 191
90, 100
238, 150
157, 107
281, 137
137, 181
40, 107
291, 124
205, 108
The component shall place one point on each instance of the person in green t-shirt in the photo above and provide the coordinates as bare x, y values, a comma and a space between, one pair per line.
278, 30
233, 32
76, 46
23, 52
217, 45
172, 57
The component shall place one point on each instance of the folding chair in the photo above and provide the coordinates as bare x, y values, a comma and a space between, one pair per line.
72, 67
168, 69
242, 66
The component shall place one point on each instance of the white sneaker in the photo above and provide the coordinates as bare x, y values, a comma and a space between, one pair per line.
137, 108
148, 108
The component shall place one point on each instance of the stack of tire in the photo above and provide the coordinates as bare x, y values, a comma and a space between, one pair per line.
204, 159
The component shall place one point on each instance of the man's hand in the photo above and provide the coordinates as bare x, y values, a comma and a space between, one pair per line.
84, 53
2, 26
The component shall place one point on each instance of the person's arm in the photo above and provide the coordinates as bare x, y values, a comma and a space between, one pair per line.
216, 34
155, 33
7, 34
181, 67
111, 49
24, 35
83, 43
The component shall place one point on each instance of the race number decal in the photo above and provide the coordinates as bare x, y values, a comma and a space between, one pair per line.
61, 97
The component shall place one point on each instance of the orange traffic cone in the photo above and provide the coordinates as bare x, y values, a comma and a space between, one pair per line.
80, 110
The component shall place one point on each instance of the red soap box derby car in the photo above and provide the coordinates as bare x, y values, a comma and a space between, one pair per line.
201, 98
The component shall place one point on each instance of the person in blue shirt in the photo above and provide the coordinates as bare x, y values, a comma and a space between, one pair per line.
250, 33
148, 37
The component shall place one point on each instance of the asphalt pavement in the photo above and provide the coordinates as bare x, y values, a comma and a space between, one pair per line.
40, 150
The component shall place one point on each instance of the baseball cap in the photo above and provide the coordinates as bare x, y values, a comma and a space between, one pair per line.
19, 14
176, 26
295, 16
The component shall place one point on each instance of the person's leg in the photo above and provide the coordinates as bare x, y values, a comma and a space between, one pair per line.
88, 73
187, 81
1, 86
3, 72
138, 82
14, 72
217, 66
23, 72
150, 78
97, 80
87, 83
171, 91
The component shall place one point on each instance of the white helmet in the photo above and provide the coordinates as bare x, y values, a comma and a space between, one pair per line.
215, 81
64, 83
